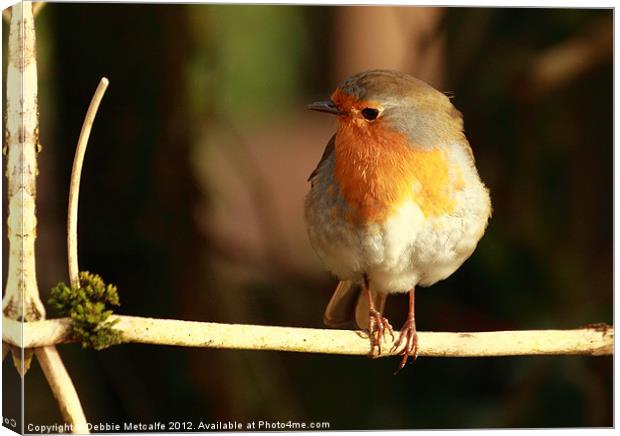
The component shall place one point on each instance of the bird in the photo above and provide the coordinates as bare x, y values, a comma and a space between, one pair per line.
395, 202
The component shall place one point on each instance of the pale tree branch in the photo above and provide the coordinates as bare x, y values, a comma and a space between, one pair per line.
74, 188
21, 300
595, 340
36, 9
62, 388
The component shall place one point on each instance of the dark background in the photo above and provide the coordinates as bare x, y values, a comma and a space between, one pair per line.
193, 188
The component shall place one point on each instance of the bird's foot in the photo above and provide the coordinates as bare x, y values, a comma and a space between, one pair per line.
378, 325
408, 336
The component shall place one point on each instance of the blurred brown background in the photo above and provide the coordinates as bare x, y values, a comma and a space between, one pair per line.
193, 190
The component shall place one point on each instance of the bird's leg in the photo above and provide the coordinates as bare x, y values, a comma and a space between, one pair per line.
408, 335
377, 323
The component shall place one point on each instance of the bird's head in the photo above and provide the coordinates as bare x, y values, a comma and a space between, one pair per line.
380, 103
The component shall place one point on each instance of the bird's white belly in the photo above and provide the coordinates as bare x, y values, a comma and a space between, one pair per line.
408, 249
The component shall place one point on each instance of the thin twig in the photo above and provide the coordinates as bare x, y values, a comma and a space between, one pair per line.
594, 340
74, 188
62, 388
50, 361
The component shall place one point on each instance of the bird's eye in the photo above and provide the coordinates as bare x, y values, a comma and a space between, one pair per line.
370, 113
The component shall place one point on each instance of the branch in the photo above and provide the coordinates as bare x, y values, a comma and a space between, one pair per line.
36, 9
62, 388
74, 188
596, 340
21, 299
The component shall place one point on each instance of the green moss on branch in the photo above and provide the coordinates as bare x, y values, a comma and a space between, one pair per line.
88, 308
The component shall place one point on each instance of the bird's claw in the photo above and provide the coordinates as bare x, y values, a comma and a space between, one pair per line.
409, 336
378, 325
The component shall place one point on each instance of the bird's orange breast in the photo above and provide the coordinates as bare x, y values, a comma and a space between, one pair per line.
377, 172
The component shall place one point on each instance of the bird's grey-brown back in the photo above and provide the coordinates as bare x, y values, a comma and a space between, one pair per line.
410, 105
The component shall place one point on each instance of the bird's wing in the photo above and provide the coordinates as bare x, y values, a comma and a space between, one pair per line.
329, 150
341, 306
349, 303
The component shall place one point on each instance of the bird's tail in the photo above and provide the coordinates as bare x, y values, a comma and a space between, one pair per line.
349, 303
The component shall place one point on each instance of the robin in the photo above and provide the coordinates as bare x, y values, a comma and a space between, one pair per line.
395, 202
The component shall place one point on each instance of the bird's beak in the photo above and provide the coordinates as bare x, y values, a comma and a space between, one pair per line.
325, 106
